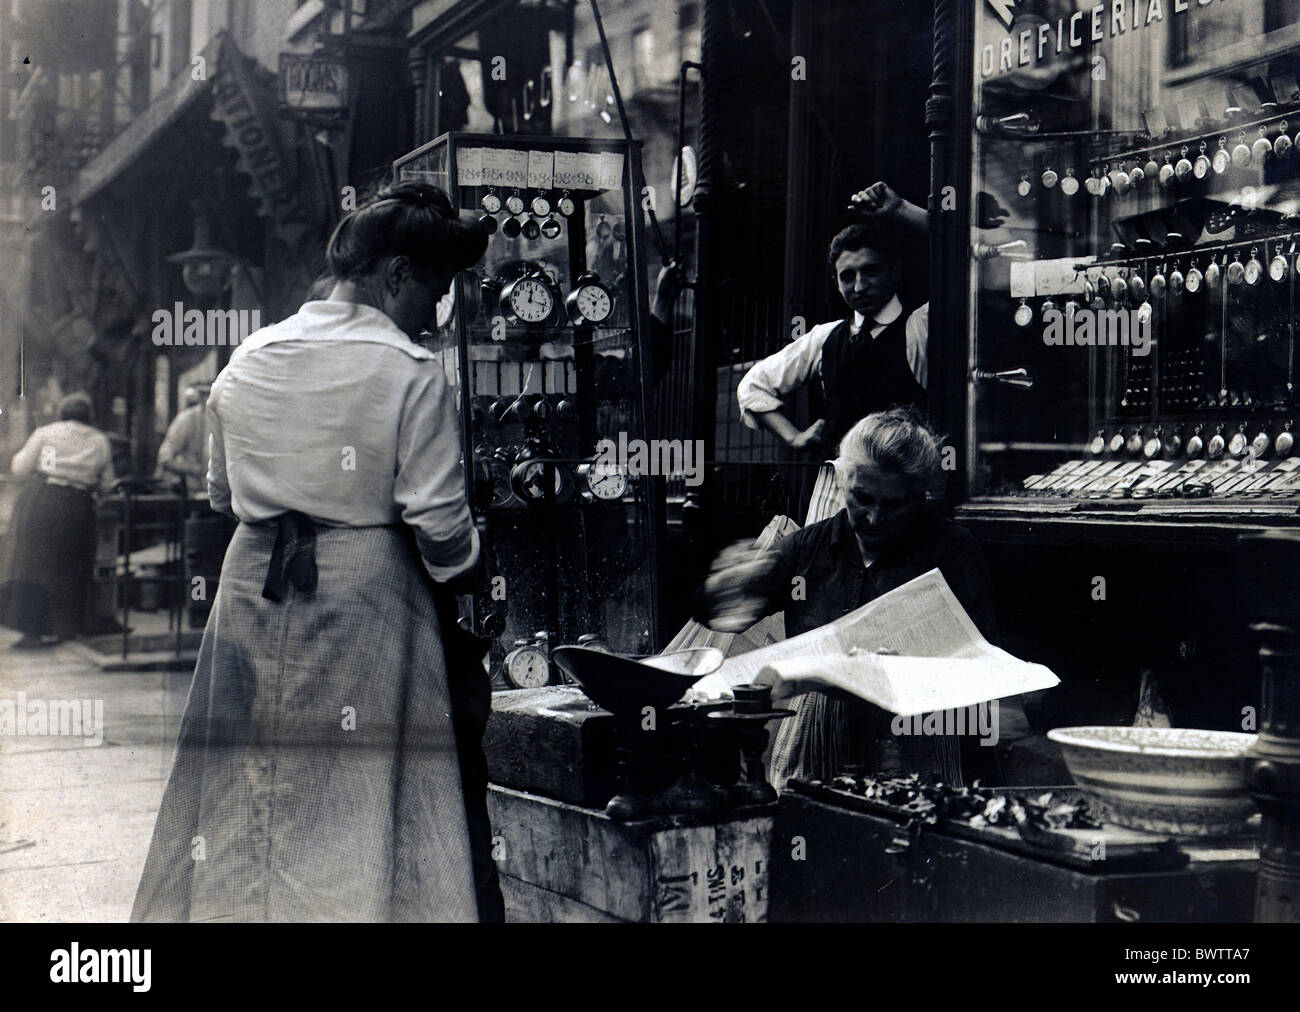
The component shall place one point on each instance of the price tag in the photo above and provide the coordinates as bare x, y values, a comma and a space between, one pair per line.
494, 167
541, 170
516, 168
588, 169
566, 170
469, 167
1022, 279
609, 175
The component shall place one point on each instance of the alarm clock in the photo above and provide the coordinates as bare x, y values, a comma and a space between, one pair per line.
606, 482
590, 303
530, 298
527, 666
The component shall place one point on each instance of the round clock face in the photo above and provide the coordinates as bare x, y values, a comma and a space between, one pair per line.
527, 668
491, 203
541, 207
606, 481
515, 204
566, 206
531, 300
594, 303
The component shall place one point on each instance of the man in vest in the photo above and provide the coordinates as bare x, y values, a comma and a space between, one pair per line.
872, 360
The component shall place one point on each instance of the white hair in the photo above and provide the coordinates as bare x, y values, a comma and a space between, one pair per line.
895, 441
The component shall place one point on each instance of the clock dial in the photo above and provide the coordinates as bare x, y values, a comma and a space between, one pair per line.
541, 207
607, 482
491, 203
531, 300
515, 204
594, 303
566, 206
527, 668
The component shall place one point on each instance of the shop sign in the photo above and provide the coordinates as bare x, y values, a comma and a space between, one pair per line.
1040, 41
313, 83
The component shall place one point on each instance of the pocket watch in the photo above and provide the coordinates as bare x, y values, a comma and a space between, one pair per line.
1137, 288
1116, 441
515, 203
1157, 286
1262, 147
1048, 178
1183, 168
1214, 449
1221, 157
511, 227
1098, 444
1167, 170
1201, 168
551, 227
531, 229
1152, 447
565, 204
1236, 270
1118, 290
1284, 442
1069, 185
1048, 307
1259, 445
1137, 175
1173, 443
1024, 316
1151, 170
1237, 444
590, 303
603, 480
1196, 444
1277, 267
530, 298
527, 666
1176, 281
1241, 153
1254, 270
1023, 187
1282, 143
1212, 273
491, 203
540, 206
489, 224
1121, 182
1194, 278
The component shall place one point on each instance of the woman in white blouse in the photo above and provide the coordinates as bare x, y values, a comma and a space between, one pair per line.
316, 774
47, 562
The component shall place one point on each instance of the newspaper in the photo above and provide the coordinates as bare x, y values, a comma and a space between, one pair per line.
911, 651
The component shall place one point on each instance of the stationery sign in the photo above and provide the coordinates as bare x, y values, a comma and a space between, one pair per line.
313, 83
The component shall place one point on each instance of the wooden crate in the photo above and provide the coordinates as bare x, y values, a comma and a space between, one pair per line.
562, 862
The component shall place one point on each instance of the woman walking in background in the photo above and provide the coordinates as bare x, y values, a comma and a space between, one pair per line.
316, 774
49, 556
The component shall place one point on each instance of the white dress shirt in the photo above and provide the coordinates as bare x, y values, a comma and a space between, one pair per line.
67, 453
765, 386
337, 414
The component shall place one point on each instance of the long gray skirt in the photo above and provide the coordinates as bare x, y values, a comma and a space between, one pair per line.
316, 773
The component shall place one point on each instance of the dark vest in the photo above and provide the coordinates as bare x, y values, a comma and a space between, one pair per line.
861, 375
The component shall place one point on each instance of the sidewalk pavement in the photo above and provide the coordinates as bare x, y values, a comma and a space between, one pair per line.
76, 817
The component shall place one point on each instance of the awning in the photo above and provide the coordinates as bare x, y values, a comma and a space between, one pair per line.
166, 107
446, 23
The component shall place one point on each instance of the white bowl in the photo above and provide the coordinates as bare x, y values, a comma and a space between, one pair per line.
1173, 780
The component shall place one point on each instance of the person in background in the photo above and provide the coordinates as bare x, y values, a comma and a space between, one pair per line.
184, 450
873, 359
317, 757
48, 558
886, 535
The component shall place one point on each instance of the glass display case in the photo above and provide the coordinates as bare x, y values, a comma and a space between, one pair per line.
1135, 227
546, 342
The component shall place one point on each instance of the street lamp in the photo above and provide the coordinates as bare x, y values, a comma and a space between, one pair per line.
205, 269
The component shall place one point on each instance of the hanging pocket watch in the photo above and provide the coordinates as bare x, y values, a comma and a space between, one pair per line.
531, 229
1097, 182
1089, 291
1098, 444
565, 204
1173, 443
1144, 312
1137, 175
1152, 448
1048, 178
551, 227
1212, 273
1241, 153
1262, 147
1214, 449
1137, 288
1024, 188
1254, 270
1277, 267
1135, 443
590, 303
1201, 168
1024, 316
540, 206
515, 203
1183, 169
1118, 291
1157, 286
1237, 444
1221, 157
512, 227
1167, 170
1282, 142
489, 224
1103, 286
1151, 169
1259, 445
1121, 182
1194, 278
1236, 270
491, 203
1196, 444
1048, 307
1176, 281
1116, 443
1285, 441
1069, 185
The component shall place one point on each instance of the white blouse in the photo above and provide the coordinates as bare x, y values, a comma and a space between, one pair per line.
337, 414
